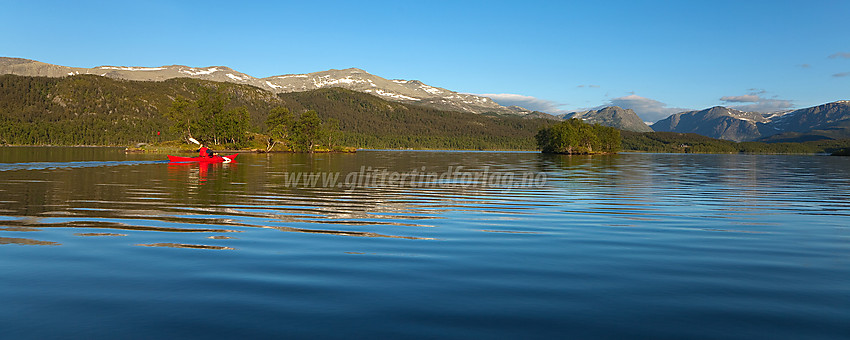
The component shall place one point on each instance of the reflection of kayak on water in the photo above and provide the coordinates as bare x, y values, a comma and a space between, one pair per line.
197, 172
214, 159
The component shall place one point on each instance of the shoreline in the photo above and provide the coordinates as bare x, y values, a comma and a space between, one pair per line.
177, 150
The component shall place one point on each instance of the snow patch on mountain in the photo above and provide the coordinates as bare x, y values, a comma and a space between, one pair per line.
430, 89
238, 78
327, 81
198, 72
392, 95
273, 85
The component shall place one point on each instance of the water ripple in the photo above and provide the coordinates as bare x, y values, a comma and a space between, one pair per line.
625, 246
69, 165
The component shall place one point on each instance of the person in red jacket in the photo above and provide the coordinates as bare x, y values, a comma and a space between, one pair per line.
206, 152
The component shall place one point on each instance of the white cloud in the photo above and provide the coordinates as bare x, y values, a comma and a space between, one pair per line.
528, 102
649, 110
759, 104
844, 55
842, 74
766, 106
747, 98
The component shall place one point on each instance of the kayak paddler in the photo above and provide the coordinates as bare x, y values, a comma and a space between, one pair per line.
206, 152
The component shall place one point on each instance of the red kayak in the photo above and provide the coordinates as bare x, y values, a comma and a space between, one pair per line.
214, 159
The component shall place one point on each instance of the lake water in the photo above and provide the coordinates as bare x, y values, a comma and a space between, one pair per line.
98, 244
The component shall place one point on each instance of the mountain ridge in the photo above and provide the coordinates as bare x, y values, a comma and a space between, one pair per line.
399, 90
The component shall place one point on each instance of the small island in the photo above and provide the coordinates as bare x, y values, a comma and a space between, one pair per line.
575, 137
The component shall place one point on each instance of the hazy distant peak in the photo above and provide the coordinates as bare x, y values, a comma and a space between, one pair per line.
614, 116
727, 123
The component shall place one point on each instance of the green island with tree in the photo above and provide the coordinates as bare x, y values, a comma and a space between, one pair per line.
575, 137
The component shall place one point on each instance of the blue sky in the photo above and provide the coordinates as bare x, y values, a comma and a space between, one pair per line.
657, 57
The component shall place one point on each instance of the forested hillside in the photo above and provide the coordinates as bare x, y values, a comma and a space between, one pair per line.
93, 110
369, 121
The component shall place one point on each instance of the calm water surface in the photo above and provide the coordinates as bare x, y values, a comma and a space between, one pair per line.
98, 244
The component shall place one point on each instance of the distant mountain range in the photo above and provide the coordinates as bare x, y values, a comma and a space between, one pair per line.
716, 122
827, 121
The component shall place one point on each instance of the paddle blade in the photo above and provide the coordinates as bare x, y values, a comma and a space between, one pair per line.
194, 141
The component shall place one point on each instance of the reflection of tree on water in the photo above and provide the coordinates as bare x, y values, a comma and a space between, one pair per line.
188, 246
26, 241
